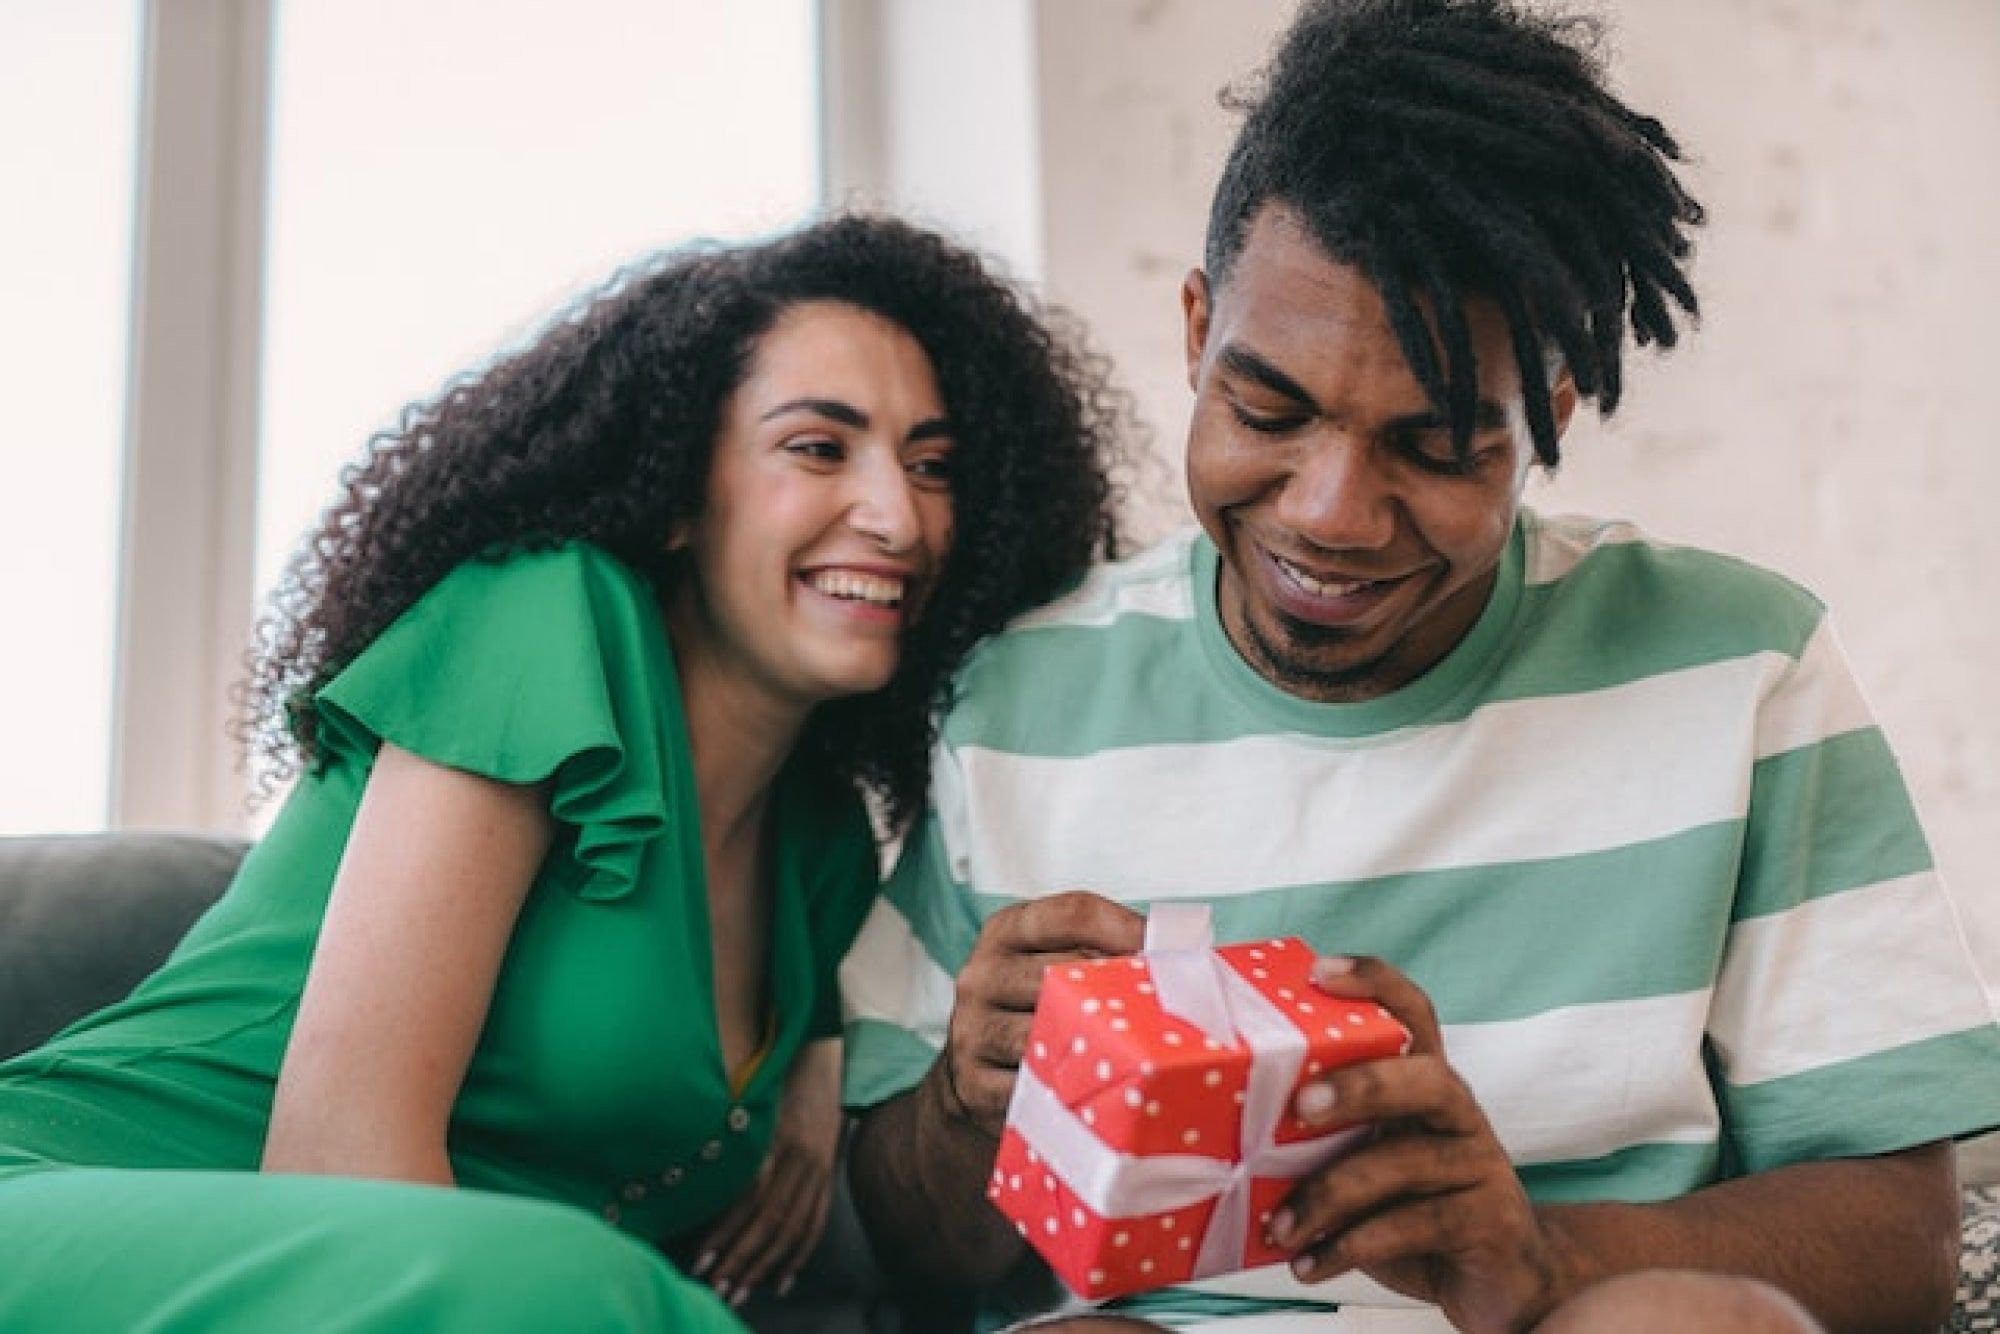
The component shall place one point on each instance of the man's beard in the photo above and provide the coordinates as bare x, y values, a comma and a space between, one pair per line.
1286, 668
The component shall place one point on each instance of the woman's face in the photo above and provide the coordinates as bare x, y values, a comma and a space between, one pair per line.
828, 513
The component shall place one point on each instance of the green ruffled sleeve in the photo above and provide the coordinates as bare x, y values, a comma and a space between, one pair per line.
533, 667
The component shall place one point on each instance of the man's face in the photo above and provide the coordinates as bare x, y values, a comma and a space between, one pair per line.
1357, 550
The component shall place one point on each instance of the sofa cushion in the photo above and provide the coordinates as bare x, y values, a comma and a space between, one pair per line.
83, 918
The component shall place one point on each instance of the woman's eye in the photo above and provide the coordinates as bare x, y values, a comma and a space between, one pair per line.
932, 468
1267, 423
815, 447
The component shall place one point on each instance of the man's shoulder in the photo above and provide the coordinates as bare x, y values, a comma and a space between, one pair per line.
1156, 582
1141, 596
1610, 570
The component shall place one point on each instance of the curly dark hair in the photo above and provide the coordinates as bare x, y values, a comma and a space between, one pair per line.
1451, 148
602, 430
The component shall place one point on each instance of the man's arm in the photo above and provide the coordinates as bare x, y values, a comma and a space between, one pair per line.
919, 1161
1434, 1209
1864, 1244
918, 1170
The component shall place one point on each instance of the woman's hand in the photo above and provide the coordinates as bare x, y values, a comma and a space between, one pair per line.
772, 1230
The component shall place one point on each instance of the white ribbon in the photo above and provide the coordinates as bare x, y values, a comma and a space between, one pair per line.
1192, 983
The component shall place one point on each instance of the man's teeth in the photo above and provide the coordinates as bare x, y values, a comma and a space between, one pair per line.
1339, 588
857, 587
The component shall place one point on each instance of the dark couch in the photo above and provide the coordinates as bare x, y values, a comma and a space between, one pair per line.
83, 918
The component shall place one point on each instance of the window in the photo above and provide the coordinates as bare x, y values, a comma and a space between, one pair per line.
444, 175
68, 115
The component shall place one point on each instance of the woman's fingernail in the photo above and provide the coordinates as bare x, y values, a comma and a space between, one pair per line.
785, 1284
1281, 1226
1302, 1266
738, 1297
1332, 967
701, 1265
1315, 1102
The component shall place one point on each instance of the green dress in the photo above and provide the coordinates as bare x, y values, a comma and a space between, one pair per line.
596, 1117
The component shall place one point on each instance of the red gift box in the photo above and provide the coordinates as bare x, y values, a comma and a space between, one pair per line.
1152, 1131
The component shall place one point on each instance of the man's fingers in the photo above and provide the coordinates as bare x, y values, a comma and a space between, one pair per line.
994, 1038
981, 1091
1429, 1225
1002, 981
1329, 1202
1421, 1091
1073, 923
1361, 977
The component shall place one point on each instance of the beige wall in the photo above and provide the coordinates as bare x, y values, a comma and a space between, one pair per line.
1834, 417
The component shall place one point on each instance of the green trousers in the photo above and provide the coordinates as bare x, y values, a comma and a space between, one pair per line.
200, 1252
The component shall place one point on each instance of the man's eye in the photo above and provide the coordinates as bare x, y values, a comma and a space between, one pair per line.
1265, 423
1432, 451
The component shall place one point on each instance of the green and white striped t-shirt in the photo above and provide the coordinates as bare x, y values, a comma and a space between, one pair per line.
1637, 836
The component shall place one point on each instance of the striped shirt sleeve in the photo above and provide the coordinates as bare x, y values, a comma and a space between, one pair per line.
1848, 1017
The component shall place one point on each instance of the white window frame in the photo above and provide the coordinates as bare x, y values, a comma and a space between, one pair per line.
190, 453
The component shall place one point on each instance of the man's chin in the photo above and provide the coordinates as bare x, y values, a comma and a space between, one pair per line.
1315, 661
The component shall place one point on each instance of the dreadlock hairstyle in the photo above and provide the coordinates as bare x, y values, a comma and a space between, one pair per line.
1458, 148
602, 429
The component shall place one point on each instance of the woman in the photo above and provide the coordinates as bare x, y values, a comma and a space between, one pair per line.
584, 676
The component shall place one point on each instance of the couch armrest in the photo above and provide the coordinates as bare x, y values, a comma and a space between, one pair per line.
83, 918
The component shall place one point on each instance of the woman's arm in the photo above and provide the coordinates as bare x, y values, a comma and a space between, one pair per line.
436, 869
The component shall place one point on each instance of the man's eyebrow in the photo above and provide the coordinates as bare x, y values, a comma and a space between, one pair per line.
830, 408
1240, 360
1486, 416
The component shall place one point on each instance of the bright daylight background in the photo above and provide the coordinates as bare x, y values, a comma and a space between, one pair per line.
443, 176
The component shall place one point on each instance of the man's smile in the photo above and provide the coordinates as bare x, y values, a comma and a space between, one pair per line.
1322, 597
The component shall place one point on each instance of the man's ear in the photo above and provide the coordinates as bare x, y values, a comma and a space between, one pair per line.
1194, 316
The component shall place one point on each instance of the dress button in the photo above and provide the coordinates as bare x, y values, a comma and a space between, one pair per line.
739, 1119
711, 1151
672, 1176
635, 1190
611, 1213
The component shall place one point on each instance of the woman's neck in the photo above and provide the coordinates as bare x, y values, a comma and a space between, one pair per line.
740, 738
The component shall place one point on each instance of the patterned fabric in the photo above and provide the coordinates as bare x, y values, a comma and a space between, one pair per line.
1977, 1308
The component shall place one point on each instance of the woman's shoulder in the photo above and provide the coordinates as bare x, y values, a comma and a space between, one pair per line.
564, 568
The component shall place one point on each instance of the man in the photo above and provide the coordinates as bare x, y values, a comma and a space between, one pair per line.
1605, 822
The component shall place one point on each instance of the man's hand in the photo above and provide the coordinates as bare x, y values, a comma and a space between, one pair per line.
920, 1160
999, 984
1430, 1207
771, 1231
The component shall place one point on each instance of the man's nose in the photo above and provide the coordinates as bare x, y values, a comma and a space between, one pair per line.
883, 507
1339, 497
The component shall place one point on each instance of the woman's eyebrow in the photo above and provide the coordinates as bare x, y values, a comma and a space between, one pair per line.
830, 408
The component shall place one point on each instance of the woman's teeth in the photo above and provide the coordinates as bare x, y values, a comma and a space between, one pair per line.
856, 587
